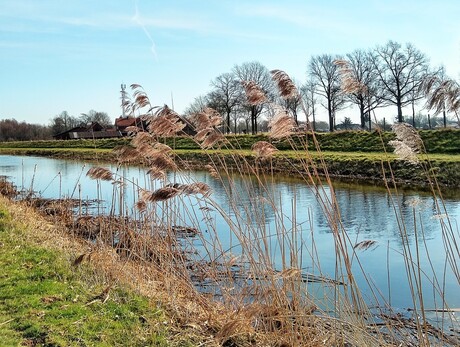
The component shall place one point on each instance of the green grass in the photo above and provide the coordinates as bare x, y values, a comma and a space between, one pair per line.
44, 301
445, 141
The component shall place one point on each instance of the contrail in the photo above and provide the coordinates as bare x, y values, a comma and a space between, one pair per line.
137, 19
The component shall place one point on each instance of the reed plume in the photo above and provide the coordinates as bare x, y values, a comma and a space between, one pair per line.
350, 83
365, 244
126, 154
141, 138
408, 142
141, 98
205, 123
443, 95
100, 173
161, 194
286, 87
281, 125
254, 94
212, 171
263, 149
165, 123
196, 188
206, 118
155, 173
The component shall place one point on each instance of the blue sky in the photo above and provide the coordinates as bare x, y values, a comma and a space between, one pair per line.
73, 54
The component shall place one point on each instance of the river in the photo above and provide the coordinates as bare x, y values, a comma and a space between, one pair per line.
367, 213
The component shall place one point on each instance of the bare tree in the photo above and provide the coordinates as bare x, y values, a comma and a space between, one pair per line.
94, 116
259, 74
308, 94
227, 93
400, 72
364, 91
63, 122
197, 105
326, 77
293, 104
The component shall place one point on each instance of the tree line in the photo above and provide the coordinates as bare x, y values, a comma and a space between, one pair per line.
12, 130
391, 75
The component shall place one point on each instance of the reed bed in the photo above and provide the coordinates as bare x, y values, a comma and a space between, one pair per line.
255, 290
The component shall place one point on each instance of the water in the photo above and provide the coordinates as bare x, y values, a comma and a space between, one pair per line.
367, 213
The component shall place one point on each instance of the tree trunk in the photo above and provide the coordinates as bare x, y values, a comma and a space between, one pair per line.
400, 115
362, 113
228, 124
331, 117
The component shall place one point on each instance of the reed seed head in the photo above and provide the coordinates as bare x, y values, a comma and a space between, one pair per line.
254, 94
141, 138
364, 245
409, 135
404, 152
163, 163
286, 87
207, 118
126, 154
264, 149
155, 173
212, 171
165, 123
350, 83
100, 173
161, 194
196, 188
141, 206
281, 125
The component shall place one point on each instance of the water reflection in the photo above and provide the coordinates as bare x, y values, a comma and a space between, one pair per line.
367, 213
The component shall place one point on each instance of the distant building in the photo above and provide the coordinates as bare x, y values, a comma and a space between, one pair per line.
90, 131
122, 123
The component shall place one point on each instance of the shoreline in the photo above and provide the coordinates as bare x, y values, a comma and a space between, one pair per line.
370, 168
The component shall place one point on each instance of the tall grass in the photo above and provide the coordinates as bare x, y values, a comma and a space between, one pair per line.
253, 288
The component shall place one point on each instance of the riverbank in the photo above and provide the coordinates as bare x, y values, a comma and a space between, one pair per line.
267, 321
51, 296
60, 290
374, 167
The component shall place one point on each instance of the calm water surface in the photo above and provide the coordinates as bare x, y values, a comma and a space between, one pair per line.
367, 213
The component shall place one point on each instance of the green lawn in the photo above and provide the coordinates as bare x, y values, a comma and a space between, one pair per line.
45, 301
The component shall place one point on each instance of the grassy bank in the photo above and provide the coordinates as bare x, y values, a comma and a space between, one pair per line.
369, 166
443, 141
47, 301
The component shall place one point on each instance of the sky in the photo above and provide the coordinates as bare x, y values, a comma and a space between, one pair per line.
73, 55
